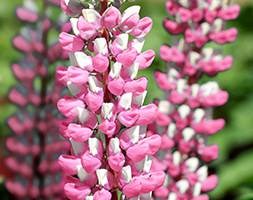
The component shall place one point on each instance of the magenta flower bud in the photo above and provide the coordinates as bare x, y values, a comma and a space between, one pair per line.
145, 59
209, 153
147, 114
75, 192
229, 13
85, 29
116, 86
209, 127
111, 18
127, 57
143, 27
102, 194
171, 54
128, 118
210, 183
69, 163
130, 18
100, 63
21, 44
70, 42
224, 36
26, 15
70, 107
108, 128
136, 86
90, 163
78, 133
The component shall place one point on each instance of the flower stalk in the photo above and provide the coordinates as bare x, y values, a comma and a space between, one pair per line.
106, 121
185, 120
35, 145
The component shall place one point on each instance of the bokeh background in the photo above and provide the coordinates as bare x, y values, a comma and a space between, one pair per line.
235, 164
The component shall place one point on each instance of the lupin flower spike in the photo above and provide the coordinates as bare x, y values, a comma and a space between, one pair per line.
35, 144
105, 118
185, 116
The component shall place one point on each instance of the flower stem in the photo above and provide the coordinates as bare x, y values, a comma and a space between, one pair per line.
104, 4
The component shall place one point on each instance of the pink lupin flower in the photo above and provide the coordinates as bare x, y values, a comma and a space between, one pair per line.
34, 144
185, 116
106, 121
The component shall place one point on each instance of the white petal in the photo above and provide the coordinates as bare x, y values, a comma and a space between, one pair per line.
90, 15
66, 2
218, 57
207, 52
80, 59
181, 85
93, 146
177, 157
74, 90
192, 164
194, 57
100, 45
202, 173
198, 115
130, 11
139, 100
133, 70
114, 143
76, 146
172, 196
107, 110
197, 189
164, 107
126, 100
215, 4
171, 131
83, 114
102, 176
172, 73
217, 25
115, 70
184, 3
73, 22
181, 44
138, 44
188, 133
194, 89
127, 173
183, 186
184, 111
122, 40
209, 88
205, 27
89, 198
147, 164
81, 173
93, 84
166, 180
31, 5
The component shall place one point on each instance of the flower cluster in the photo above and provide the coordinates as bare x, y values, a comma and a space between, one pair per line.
35, 144
185, 116
106, 121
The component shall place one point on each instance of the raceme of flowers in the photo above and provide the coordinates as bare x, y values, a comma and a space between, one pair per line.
35, 144
106, 120
185, 115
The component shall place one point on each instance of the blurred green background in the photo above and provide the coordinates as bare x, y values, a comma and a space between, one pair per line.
235, 165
